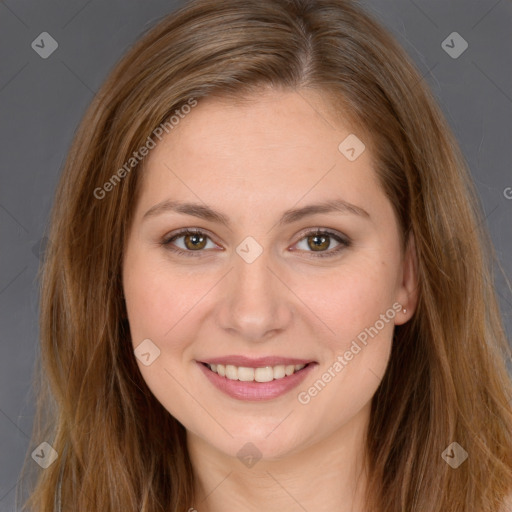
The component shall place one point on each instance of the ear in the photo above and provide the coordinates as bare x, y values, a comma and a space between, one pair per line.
407, 294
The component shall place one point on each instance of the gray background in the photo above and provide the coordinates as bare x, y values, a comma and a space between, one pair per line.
42, 101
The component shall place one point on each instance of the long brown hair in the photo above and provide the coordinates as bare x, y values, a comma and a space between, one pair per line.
446, 381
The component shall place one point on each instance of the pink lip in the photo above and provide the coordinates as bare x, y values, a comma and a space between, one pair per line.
256, 391
258, 362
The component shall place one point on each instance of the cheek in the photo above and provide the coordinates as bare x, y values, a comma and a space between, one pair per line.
358, 308
156, 298
356, 303
349, 299
157, 303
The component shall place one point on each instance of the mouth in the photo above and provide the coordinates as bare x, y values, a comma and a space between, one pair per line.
258, 374
255, 379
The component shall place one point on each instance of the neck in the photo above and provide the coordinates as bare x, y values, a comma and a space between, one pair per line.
326, 475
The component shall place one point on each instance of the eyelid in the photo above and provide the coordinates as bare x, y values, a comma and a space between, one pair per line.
322, 230
343, 240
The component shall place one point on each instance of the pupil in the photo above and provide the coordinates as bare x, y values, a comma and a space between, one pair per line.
194, 241
319, 241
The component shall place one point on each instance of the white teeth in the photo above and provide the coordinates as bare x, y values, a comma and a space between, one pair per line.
279, 371
263, 374
245, 374
231, 372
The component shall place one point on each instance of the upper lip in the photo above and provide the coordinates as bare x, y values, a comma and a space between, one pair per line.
257, 362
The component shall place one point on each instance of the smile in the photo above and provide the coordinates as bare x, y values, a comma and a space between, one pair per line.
255, 379
262, 374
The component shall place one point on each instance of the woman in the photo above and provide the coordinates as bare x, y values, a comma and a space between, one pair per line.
267, 288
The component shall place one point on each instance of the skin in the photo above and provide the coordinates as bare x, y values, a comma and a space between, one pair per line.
252, 161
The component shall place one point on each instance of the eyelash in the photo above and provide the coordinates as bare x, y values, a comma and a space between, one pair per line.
343, 241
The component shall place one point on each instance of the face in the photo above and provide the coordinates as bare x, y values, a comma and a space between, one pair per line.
264, 285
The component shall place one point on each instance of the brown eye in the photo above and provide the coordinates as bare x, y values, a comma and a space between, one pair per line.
318, 242
194, 241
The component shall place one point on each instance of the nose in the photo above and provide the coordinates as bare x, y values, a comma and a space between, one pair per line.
257, 303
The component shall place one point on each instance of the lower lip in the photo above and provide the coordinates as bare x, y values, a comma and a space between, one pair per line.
256, 391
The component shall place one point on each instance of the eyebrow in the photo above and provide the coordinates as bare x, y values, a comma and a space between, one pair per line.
205, 212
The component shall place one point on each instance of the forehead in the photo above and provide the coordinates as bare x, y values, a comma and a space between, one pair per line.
273, 121
273, 146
